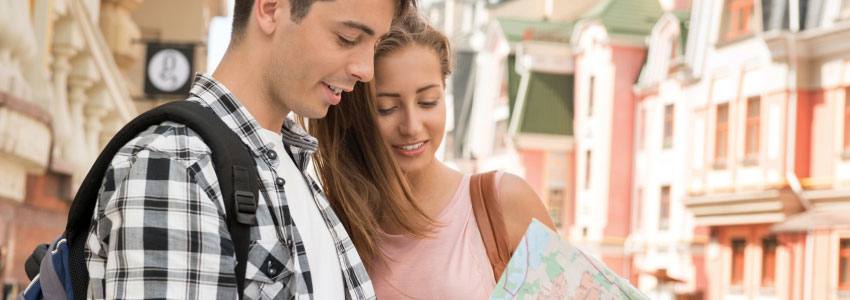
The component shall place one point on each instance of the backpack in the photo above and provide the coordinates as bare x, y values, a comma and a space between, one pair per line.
58, 270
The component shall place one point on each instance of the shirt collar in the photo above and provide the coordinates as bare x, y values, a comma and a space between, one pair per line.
211, 93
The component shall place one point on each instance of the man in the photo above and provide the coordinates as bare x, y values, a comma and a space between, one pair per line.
159, 228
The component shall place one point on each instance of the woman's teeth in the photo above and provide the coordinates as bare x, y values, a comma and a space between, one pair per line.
412, 147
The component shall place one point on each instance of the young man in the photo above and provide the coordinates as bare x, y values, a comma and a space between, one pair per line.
159, 228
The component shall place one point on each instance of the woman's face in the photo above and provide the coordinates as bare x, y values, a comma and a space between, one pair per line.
411, 105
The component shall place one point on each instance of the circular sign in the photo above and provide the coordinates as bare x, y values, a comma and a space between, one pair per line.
168, 70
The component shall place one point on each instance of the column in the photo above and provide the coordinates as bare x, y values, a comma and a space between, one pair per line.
80, 81
66, 43
95, 112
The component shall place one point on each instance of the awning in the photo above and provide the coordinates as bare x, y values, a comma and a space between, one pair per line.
544, 105
818, 218
663, 277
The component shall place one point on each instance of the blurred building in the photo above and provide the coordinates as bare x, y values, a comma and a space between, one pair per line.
609, 50
68, 72
539, 86
669, 251
769, 134
511, 110
527, 109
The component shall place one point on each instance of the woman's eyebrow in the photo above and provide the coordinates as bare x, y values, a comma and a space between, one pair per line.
394, 95
397, 95
424, 88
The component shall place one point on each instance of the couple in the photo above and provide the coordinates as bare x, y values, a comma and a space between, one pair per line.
392, 222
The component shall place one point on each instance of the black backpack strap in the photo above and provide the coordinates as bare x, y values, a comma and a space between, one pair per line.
235, 168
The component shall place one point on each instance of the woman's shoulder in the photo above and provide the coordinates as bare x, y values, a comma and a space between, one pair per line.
515, 192
520, 203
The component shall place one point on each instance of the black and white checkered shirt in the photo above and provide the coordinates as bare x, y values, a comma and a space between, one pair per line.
159, 228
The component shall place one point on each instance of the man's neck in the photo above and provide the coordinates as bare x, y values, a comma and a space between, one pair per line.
243, 77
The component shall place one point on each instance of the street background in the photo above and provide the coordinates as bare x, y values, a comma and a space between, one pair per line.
699, 148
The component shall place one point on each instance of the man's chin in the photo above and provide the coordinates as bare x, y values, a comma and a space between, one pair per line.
317, 113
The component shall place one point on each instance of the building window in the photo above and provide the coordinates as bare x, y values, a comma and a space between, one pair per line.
847, 119
844, 265
587, 162
638, 210
721, 136
668, 126
752, 135
768, 261
737, 275
556, 205
591, 93
739, 16
664, 209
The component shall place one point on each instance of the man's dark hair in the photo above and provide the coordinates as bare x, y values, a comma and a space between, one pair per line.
299, 9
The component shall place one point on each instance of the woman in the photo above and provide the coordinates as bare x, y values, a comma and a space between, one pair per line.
442, 255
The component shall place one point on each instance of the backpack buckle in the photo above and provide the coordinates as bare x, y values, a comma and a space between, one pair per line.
246, 207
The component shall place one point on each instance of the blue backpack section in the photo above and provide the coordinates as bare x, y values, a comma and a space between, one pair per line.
53, 280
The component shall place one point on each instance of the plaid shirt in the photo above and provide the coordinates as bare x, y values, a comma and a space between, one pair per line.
159, 228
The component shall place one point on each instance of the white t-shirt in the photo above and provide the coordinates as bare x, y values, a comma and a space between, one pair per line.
322, 258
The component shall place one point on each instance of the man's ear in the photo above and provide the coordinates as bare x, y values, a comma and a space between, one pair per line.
269, 13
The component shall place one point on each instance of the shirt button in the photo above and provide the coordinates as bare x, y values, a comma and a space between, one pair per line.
271, 154
272, 270
280, 181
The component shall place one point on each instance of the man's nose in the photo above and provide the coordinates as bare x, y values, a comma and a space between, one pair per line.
363, 66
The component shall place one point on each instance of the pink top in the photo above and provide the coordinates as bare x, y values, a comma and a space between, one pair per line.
452, 264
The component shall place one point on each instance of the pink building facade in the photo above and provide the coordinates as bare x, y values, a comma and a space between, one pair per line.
608, 61
668, 248
766, 97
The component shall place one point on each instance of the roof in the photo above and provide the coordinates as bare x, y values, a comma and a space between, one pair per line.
653, 71
547, 107
517, 30
818, 218
627, 17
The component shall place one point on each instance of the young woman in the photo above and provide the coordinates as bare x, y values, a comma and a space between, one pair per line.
424, 245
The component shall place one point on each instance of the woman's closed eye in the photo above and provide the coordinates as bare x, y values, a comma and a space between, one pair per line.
428, 103
386, 111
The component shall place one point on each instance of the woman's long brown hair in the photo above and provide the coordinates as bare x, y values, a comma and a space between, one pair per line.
362, 180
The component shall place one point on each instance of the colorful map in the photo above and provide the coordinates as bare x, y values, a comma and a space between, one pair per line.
545, 267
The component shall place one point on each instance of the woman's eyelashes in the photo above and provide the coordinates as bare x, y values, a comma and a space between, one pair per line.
427, 104
386, 111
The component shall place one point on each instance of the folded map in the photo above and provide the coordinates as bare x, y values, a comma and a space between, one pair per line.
546, 267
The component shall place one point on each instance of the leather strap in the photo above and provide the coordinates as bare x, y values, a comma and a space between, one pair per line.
491, 224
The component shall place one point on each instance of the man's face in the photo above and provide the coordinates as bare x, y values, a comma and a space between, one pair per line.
325, 53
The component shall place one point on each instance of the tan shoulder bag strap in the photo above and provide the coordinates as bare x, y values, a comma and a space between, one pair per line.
488, 215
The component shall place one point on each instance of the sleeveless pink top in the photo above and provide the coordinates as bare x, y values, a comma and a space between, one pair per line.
451, 264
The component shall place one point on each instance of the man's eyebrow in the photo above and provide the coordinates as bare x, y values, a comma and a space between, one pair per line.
360, 26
